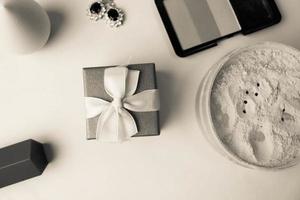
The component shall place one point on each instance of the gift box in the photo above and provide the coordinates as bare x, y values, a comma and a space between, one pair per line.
21, 161
98, 85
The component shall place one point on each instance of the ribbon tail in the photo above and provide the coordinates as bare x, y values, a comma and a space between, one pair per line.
107, 130
126, 125
146, 101
116, 125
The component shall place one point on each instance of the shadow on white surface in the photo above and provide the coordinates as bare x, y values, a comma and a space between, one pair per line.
49, 151
57, 20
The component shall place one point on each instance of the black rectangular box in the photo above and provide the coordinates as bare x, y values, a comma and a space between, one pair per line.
21, 161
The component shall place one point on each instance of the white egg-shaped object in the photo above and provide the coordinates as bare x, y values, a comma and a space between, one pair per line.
24, 25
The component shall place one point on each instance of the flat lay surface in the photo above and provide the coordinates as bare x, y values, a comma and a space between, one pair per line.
42, 98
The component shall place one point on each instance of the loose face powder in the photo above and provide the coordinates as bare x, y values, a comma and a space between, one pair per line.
255, 105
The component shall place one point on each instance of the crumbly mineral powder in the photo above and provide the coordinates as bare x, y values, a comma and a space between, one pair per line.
255, 106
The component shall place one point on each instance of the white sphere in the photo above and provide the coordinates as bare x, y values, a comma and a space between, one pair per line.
24, 25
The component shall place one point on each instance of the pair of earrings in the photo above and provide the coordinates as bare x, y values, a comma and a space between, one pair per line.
113, 15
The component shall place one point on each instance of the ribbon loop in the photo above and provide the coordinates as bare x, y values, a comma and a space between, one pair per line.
95, 106
147, 100
115, 123
115, 81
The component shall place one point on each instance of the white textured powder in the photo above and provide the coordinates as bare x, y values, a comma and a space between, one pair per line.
255, 105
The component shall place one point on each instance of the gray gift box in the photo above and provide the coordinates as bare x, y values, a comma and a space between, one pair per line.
147, 122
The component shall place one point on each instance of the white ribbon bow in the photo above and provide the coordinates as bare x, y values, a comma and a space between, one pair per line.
115, 123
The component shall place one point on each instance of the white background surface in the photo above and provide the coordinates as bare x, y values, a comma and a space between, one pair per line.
42, 98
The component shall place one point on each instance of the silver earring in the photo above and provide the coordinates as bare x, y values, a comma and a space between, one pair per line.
114, 15
97, 10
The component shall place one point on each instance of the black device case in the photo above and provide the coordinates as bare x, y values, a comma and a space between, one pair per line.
253, 15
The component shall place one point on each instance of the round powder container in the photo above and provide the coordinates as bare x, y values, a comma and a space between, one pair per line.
249, 106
